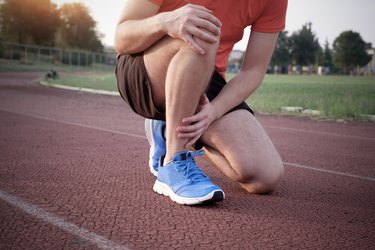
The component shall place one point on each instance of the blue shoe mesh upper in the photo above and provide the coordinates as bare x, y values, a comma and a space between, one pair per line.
184, 177
159, 142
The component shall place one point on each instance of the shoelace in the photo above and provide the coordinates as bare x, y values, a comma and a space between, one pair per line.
189, 169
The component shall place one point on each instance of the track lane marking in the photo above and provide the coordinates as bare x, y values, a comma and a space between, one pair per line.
329, 171
74, 124
319, 132
144, 137
60, 223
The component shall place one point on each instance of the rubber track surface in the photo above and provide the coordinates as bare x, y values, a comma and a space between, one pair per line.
83, 158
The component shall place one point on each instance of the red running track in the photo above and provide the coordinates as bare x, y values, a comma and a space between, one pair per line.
73, 175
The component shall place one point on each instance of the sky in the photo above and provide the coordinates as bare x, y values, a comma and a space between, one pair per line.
328, 17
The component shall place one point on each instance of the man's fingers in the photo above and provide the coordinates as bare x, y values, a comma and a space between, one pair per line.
197, 117
191, 128
191, 135
207, 25
203, 35
209, 17
206, 14
193, 44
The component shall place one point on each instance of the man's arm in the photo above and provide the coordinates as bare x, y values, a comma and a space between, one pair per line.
140, 26
136, 18
257, 57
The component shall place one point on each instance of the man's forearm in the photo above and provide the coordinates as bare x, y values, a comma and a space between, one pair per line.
133, 36
257, 57
237, 90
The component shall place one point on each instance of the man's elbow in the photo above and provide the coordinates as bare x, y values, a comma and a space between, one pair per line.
120, 42
119, 49
123, 47
119, 46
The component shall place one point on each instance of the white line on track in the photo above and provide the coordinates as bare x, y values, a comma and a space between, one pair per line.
79, 89
74, 123
144, 137
321, 133
60, 223
329, 171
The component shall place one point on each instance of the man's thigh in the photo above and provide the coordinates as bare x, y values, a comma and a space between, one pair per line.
241, 139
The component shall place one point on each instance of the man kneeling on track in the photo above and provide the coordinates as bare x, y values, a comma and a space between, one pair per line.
172, 58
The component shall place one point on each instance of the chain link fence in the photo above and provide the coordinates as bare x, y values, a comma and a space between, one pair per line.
32, 54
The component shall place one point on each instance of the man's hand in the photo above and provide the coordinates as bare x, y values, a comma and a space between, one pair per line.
192, 22
194, 126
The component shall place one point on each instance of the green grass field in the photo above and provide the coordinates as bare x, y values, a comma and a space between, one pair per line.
336, 97
103, 81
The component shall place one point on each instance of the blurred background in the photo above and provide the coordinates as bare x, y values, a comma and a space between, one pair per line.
321, 37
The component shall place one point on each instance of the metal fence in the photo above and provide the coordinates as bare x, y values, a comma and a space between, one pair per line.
27, 53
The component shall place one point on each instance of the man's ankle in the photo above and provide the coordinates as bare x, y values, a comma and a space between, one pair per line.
169, 157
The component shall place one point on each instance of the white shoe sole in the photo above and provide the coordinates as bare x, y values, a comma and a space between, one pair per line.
164, 189
150, 139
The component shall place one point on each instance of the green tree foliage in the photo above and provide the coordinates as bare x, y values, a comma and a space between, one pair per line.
305, 47
281, 55
78, 28
29, 21
349, 50
327, 56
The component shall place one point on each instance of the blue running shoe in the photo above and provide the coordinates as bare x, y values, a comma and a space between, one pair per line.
185, 183
154, 133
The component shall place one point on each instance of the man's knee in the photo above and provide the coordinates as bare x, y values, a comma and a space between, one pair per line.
173, 45
158, 56
261, 178
210, 51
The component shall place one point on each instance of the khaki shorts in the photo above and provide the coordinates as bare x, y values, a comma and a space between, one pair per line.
134, 87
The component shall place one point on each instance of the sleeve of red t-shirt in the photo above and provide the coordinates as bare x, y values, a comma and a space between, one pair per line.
273, 17
158, 2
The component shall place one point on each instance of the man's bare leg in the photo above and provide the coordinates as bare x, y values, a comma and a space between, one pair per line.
178, 77
239, 147
236, 143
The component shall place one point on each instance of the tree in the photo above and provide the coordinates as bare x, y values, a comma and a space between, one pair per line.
304, 46
78, 28
349, 51
327, 56
29, 21
281, 55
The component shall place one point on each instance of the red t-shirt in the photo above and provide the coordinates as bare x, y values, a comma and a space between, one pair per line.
261, 15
